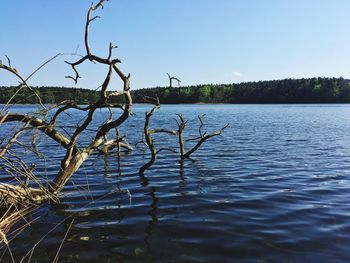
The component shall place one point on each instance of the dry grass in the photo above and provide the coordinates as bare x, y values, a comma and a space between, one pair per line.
8, 220
22, 196
10, 217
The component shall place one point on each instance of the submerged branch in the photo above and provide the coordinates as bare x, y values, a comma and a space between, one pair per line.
203, 136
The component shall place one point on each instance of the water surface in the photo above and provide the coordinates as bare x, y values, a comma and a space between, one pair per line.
274, 188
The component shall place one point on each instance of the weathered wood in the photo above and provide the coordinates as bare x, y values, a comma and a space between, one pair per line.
39, 124
149, 139
20, 195
116, 143
12, 215
75, 155
203, 136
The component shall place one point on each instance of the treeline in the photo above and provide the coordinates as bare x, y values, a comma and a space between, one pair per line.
314, 90
49, 95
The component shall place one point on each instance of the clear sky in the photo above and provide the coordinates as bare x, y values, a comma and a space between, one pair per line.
199, 41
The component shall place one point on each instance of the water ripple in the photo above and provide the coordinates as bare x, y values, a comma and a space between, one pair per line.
274, 188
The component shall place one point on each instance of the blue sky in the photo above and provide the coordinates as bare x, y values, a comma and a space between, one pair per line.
199, 41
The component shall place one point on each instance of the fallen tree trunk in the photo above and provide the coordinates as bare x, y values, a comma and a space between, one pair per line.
22, 196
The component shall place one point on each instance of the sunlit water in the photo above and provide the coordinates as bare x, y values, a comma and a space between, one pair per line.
274, 188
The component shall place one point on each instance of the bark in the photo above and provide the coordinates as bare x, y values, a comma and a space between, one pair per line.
181, 127
39, 124
149, 140
75, 156
149, 132
19, 195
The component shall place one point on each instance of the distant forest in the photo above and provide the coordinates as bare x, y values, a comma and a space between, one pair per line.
49, 95
314, 90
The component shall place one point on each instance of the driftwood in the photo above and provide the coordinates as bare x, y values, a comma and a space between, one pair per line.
171, 79
200, 139
75, 156
149, 132
26, 190
19, 195
148, 135
116, 143
181, 124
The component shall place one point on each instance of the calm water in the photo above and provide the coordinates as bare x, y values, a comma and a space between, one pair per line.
274, 188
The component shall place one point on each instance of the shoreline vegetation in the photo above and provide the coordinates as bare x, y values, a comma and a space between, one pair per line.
312, 90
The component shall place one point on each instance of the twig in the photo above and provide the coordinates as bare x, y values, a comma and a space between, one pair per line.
55, 260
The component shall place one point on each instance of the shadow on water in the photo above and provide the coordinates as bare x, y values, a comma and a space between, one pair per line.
146, 254
182, 177
151, 224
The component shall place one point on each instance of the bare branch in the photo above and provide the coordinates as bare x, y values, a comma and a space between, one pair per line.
149, 139
201, 125
166, 149
13, 139
105, 84
163, 131
203, 136
181, 124
193, 139
40, 125
76, 154
88, 21
140, 142
202, 140
99, 4
115, 94
92, 19
22, 85
111, 47
171, 79
48, 61
116, 143
8, 61
74, 159
66, 105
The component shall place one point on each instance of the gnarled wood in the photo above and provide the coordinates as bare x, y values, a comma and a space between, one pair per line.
39, 124
203, 136
75, 155
19, 195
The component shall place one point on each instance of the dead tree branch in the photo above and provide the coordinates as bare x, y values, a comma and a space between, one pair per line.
73, 159
48, 122
149, 132
203, 136
171, 79
148, 135
23, 84
75, 156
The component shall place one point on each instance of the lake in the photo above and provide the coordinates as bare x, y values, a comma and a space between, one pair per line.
274, 188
